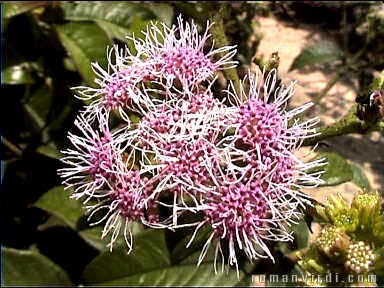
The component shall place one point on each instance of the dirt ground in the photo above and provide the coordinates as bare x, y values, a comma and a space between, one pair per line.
288, 41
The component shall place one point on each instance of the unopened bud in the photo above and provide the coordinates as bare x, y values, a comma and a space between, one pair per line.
348, 219
368, 206
341, 214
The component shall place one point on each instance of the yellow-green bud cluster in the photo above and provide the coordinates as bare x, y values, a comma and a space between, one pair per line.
347, 219
360, 258
369, 207
341, 214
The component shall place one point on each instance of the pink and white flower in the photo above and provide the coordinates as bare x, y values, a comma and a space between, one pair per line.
179, 53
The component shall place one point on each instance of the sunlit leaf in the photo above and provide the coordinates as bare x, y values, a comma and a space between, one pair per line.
85, 42
337, 171
118, 19
13, 9
317, 53
57, 202
149, 253
25, 267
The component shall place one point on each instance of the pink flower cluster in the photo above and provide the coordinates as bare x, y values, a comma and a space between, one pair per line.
173, 144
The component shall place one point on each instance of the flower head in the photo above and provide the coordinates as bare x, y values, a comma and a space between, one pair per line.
255, 196
91, 163
124, 202
119, 85
179, 53
231, 160
360, 258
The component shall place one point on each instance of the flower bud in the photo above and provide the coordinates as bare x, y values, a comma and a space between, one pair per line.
360, 258
333, 242
348, 219
368, 206
341, 214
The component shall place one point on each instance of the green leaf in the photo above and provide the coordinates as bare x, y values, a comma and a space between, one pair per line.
119, 13
194, 257
359, 177
85, 42
150, 253
22, 73
180, 252
317, 53
301, 234
113, 30
117, 19
37, 107
25, 267
13, 9
49, 151
184, 275
93, 236
337, 171
57, 202
163, 11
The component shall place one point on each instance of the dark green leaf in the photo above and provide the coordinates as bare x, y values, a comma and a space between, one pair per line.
52, 221
337, 171
37, 107
301, 234
49, 151
85, 42
93, 236
24, 267
359, 177
181, 252
317, 53
150, 253
194, 257
57, 202
184, 275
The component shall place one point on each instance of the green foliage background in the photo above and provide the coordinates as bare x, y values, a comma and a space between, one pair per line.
48, 48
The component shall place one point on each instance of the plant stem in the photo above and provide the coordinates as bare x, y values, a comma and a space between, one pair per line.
348, 124
328, 87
